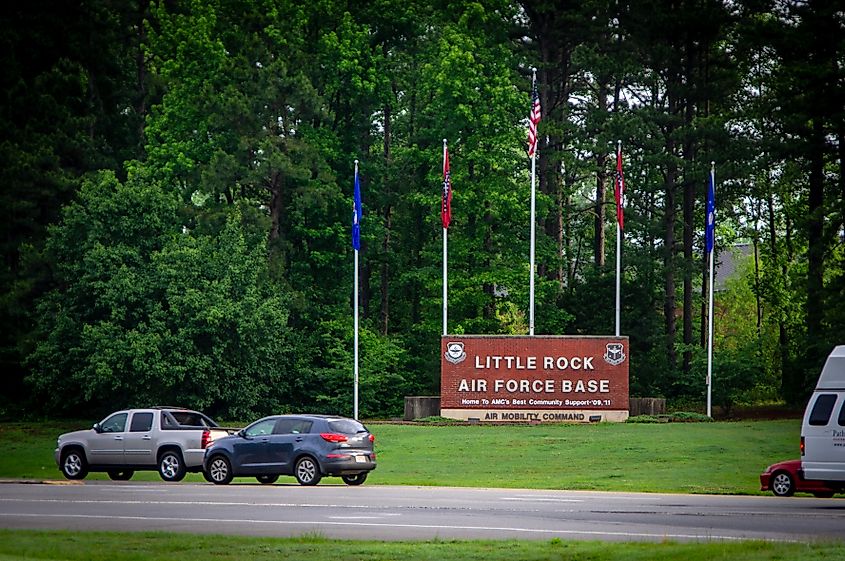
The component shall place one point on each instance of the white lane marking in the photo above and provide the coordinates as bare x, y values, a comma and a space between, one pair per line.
182, 503
586, 498
541, 500
664, 535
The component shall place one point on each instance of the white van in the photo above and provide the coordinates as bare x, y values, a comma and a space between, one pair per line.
823, 429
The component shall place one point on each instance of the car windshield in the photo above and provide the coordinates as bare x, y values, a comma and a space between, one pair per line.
346, 426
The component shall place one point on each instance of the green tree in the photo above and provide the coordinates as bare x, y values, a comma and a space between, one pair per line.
142, 312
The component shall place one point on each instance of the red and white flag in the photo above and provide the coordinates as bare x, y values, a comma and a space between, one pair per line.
446, 204
619, 191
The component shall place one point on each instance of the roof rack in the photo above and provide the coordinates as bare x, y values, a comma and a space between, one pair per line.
170, 407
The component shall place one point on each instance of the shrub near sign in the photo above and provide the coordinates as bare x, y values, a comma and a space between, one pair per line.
534, 379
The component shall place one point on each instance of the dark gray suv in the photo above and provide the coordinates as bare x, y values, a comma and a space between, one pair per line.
307, 447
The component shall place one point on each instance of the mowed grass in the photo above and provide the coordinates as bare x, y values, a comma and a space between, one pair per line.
664, 457
682, 457
100, 546
723, 457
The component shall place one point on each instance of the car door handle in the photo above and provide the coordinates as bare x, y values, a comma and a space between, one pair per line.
118, 437
265, 440
147, 437
299, 439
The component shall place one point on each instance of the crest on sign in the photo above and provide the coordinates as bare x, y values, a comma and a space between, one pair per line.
614, 354
455, 352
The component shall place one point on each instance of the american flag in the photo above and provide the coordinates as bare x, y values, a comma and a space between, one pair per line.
446, 204
533, 119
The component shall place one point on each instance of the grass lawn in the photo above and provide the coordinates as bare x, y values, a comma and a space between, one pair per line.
99, 546
723, 457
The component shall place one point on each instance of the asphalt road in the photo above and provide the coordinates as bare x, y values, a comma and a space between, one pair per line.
400, 513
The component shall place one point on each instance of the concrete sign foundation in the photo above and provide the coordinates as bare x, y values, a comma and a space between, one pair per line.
553, 379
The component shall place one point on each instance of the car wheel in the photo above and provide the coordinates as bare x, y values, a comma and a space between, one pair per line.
307, 471
823, 494
219, 471
171, 467
121, 475
74, 465
207, 476
267, 479
356, 479
783, 485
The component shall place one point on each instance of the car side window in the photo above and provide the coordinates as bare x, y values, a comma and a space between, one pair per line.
115, 423
293, 426
167, 421
261, 428
302, 427
822, 409
141, 422
842, 414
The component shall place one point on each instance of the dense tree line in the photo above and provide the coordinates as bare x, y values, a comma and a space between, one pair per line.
177, 192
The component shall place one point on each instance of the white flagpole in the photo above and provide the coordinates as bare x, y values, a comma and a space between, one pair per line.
710, 308
445, 255
533, 219
355, 412
618, 248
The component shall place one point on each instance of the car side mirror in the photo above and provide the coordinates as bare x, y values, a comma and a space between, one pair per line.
242, 433
97, 428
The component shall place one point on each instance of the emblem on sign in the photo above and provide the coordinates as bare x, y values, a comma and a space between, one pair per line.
614, 354
455, 352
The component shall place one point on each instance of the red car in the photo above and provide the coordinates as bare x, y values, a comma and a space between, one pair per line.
786, 478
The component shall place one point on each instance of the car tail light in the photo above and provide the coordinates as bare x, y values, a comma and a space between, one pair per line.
333, 437
802, 445
206, 439
372, 438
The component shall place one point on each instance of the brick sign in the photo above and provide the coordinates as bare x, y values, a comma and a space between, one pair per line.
534, 379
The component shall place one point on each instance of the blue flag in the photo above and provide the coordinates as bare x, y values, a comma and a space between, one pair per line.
357, 214
710, 229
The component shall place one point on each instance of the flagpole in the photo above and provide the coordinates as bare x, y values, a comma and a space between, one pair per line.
445, 257
533, 219
710, 304
355, 408
618, 247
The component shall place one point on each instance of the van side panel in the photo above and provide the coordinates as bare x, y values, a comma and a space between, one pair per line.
823, 427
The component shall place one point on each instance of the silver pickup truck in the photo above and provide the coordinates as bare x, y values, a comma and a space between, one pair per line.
171, 440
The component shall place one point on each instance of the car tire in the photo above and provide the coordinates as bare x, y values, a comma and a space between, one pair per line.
121, 475
219, 470
171, 467
782, 484
356, 479
267, 479
207, 476
823, 494
307, 471
74, 465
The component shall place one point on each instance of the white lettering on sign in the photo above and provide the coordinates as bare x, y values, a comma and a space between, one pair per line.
571, 363
588, 386
511, 362
508, 362
472, 385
